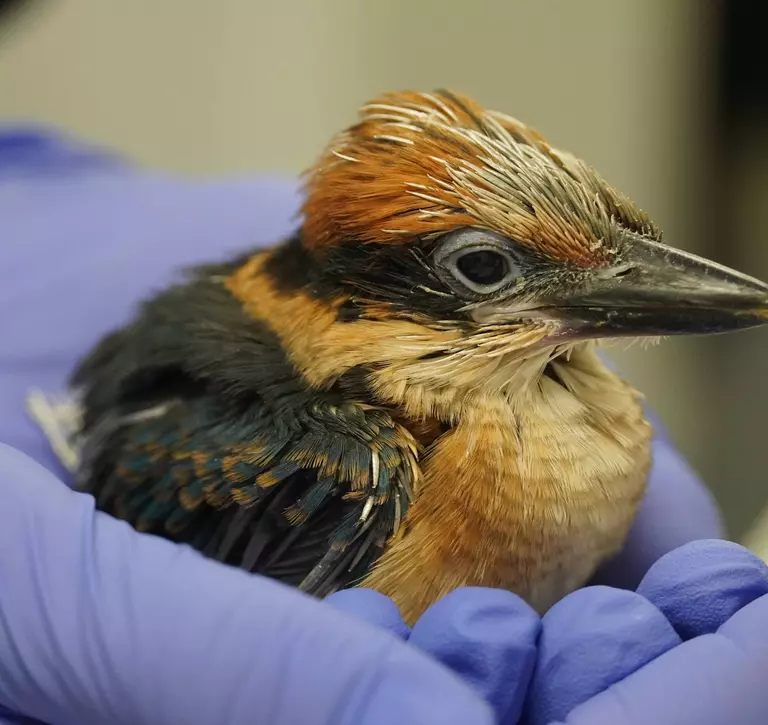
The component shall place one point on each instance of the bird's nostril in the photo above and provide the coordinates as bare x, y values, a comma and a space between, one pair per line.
623, 272
611, 273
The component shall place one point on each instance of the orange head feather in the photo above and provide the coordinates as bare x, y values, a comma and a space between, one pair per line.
417, 165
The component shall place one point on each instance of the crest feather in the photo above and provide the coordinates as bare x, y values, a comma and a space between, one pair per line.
417, 165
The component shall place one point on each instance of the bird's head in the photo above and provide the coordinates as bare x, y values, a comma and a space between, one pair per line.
480, 247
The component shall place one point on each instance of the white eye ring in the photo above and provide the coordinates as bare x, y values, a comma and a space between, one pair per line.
496, 262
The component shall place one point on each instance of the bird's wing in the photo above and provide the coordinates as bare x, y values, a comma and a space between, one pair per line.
308, 497
192, 423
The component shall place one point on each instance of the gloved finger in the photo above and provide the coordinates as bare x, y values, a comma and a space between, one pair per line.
676, 510
371, 607
711, 680
744, 625
488, 637
100, 624
590, 640
700, 586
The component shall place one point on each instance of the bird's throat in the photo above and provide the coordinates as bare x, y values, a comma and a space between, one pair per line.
530, 497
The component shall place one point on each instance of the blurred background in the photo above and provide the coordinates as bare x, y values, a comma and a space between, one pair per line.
667, 98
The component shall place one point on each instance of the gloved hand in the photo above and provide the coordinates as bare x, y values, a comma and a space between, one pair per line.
100, 624
613, 657
690, 646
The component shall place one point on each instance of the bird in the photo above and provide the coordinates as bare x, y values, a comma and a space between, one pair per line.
407, 392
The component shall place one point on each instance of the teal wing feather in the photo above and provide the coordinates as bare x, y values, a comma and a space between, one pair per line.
308, 498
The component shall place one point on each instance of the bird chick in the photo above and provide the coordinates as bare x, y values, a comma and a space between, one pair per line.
406, 394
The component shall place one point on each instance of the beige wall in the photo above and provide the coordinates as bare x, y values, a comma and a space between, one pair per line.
242, 85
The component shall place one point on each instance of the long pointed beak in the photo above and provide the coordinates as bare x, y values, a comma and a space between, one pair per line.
658, 290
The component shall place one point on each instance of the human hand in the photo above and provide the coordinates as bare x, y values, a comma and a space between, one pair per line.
100, 624
691, 646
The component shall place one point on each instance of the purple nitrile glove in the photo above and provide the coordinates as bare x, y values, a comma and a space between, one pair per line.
614, 657
107, 625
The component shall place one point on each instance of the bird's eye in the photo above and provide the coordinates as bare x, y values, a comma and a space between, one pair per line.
476, 261
483, 267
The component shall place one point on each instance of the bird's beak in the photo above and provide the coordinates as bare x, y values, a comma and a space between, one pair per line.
657, 290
